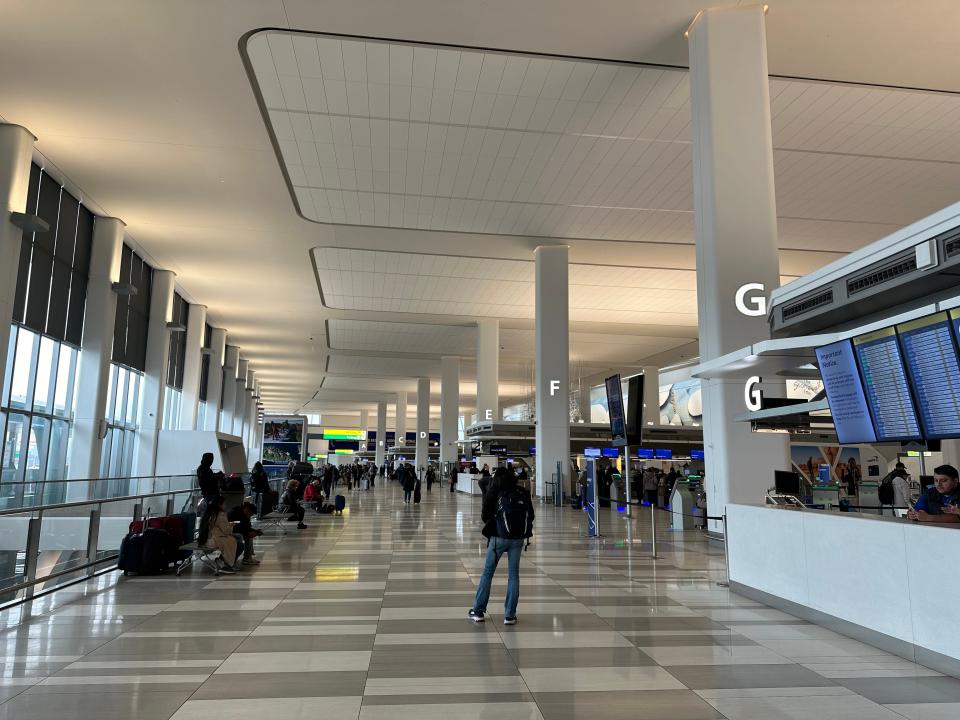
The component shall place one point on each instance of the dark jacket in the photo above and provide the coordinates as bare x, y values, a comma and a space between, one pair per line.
238, 516
259, 482
209, 481
491, 498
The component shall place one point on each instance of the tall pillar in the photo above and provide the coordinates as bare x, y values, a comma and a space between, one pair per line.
192, 362
231, 364
380, 452
552, 363
584, 400
247, 400
651, 396
449, 407
218, 349
364, 419
154, 373
240, 397
16, 151
401, 419
736, 237
93, 374
423, 424
488, 369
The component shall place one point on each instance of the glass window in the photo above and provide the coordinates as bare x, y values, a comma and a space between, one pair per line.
13, 447
11, 356
121, 400
46, 375
58, 457
66, 379
37, 448
21, 390
133, 398
201, 415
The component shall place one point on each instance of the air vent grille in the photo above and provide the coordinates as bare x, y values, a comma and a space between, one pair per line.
881, 275
806, 305
951, 247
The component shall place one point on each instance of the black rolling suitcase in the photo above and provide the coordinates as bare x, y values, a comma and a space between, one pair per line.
131, 553
339, 503
416, 493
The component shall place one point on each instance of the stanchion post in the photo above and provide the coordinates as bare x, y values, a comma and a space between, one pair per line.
626, 479
653, 531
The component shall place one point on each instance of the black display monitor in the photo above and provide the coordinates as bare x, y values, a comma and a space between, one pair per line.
618, 423
845, 394
885, 386
930, 356
634, 410
786, 482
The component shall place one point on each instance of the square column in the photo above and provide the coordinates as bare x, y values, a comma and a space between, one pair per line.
228, 407
364, 421
449, 407
401, 419
154, 373
16, 151
423, 424
735, 222
93, 374
552, 364
192, 361
380, 452
217, 352
488, 369
240, 398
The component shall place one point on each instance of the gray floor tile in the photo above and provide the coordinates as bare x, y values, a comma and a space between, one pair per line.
625, 705
306, 643
446, 699
580, 657
699, 677
267, 685
889, 690
102, 706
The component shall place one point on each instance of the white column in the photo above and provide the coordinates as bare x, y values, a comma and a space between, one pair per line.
401, 419
381, 433
154, 373
584, 402
93, 374
218, 349
651, 396
423, 423
229, 406
488, 369
364, 421
192, 361
240, 397
16, 151
247, 399
736, 236
449, 407
552, 349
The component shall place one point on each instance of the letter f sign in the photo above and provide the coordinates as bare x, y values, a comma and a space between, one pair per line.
554, 386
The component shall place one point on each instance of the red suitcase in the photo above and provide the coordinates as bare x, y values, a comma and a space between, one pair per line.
170, 523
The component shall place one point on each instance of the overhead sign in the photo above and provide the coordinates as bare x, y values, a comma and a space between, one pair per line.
344, 434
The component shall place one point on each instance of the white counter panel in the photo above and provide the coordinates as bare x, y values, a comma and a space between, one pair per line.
887, 575
467, 483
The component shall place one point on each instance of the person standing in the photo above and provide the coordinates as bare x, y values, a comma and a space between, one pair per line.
208, 480
408, 482
508, 515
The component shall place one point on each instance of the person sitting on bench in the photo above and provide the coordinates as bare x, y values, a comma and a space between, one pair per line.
240, 516
216, 531
289, 500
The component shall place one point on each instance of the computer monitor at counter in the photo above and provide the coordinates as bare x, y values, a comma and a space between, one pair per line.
786, 482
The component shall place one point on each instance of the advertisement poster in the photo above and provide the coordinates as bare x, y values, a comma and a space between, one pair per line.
283, 440
807, 460
681, 404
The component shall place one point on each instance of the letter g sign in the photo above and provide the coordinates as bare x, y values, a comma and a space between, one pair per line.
757, 303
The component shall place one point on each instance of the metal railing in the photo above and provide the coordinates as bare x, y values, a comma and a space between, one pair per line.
46, 547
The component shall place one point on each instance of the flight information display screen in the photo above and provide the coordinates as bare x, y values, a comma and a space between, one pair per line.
930, 354
885, 386
848, 404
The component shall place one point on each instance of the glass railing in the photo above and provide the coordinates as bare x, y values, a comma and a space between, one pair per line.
45, 547
26, 494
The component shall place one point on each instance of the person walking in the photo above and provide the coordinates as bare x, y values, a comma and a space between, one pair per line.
508, 516
408, 482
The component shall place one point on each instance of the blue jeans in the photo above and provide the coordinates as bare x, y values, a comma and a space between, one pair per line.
407, 495
496, 548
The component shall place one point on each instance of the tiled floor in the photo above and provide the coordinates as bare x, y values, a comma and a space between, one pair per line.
364, 617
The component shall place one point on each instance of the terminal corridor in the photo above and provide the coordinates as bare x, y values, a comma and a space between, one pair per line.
364, 616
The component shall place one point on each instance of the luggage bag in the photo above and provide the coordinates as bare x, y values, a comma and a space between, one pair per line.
340, 502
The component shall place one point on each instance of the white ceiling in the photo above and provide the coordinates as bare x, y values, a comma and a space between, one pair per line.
151, 113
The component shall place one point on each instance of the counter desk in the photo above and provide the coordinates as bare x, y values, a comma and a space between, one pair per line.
469, 484
886, 581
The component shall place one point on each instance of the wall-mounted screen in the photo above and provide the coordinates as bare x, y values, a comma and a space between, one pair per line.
845, 395
592, 452
610, 452
885, 386
930, 355
696, 454
663, 454
283, 440
645, 453
618, 423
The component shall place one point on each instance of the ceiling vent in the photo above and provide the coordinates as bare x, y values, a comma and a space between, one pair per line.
806, 305
899, 267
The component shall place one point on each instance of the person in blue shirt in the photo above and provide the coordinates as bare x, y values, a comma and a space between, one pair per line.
941, 502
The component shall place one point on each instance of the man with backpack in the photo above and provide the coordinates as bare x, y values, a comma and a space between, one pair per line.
508, 524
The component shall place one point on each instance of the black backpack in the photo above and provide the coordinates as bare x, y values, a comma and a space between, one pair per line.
885, 492
514, 515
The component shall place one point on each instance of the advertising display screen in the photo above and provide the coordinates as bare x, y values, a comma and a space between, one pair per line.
282, 440
618, 422
845, 395
930, 355
885, 386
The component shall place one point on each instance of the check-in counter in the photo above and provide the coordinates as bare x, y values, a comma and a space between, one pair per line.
469, 484
888, 582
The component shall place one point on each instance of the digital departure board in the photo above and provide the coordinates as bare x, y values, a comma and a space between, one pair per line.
885, 386
848, 405
930, 355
